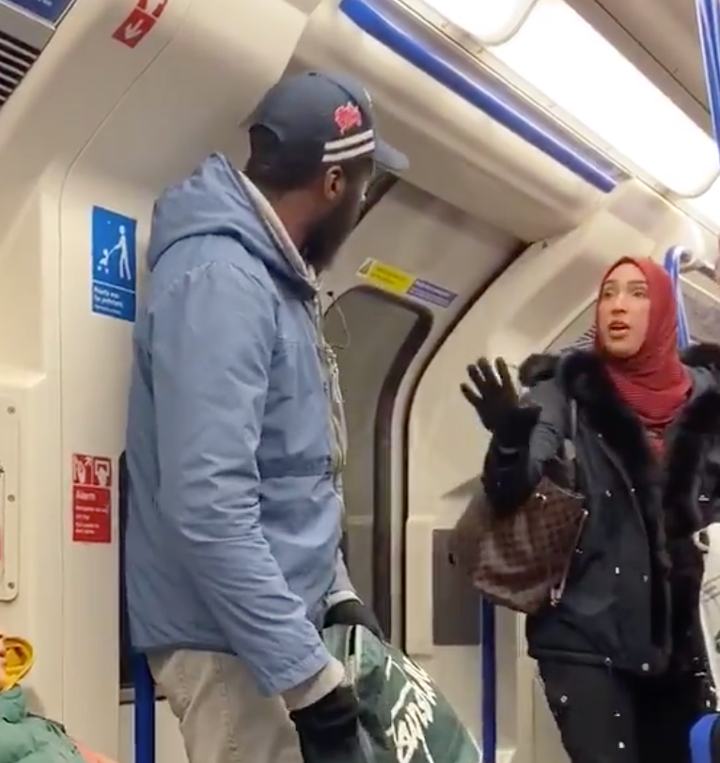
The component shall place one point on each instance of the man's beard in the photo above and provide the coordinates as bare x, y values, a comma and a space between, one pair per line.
324, 241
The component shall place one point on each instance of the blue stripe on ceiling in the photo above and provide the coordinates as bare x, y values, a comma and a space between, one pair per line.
411, 39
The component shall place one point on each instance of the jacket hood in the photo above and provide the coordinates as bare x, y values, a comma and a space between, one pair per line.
540, 367
217, 200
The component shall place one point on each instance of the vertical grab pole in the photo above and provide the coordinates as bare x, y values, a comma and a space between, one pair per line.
144, 710
488, 670
675, 257
143, 684
708, 18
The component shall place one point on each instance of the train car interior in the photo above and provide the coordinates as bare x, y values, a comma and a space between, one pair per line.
546, 138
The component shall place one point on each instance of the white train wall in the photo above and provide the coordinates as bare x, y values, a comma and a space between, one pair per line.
114, 110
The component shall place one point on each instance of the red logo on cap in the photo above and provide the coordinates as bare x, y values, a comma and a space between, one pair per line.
347, 117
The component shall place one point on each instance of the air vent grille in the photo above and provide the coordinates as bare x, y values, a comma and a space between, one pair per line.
16, 58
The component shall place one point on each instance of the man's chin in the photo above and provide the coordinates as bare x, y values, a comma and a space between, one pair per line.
319, 260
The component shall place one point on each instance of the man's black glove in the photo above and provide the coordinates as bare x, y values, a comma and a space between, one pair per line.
328, 729
492, 394
354, 612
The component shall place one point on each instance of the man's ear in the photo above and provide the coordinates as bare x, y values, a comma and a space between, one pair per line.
334, 183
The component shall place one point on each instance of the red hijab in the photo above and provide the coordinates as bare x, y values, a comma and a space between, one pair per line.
654, 383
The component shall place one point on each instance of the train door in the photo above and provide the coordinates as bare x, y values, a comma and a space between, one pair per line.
372, 364
446, 450
384, 338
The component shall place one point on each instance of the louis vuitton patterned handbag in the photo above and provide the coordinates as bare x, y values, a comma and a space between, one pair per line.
522, 561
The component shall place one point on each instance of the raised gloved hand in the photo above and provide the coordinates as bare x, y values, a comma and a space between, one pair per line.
492, 394
353, 612
328, 729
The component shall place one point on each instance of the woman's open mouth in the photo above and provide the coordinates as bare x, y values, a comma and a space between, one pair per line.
618, 329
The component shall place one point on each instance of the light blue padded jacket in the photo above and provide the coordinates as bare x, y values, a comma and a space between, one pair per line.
235, 439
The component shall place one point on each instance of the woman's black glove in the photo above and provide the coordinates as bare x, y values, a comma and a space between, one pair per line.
493, 395
328, 729
354, 612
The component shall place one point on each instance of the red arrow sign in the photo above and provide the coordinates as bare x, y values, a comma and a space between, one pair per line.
153, 7
141, 20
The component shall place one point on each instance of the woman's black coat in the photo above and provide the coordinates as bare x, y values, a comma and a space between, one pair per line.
632, 598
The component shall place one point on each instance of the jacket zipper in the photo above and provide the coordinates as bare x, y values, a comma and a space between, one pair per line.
557, 591
333, 394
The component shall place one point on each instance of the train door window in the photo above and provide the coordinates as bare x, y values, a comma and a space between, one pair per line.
375, 337
702, 315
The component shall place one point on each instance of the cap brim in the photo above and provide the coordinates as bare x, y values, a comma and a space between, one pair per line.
389, 158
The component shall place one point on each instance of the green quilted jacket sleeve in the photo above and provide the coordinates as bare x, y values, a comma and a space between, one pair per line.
26, 738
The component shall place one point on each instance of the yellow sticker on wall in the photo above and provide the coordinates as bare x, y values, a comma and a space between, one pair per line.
386, 276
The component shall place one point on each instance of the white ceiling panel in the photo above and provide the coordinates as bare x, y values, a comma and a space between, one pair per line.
660, 37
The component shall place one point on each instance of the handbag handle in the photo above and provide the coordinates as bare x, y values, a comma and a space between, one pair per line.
569, 454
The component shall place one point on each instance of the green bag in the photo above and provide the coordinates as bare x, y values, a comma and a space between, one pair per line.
404, 718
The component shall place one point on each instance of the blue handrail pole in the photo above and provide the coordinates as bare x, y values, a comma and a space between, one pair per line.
142, 680
708, 18
488, 681
675, 257
144, 710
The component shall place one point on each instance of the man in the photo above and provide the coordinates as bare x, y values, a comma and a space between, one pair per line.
236, 436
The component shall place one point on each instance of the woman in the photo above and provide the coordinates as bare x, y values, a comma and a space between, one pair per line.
622, 656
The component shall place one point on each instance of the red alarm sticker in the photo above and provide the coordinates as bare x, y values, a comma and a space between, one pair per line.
92, 499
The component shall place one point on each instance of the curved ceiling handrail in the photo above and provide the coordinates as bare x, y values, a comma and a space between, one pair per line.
674, 259
429, 10
594, 87
513, 28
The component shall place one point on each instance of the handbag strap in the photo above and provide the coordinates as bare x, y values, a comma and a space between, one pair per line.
569, 451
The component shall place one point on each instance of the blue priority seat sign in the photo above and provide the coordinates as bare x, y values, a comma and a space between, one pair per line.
48, 10
114, 264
